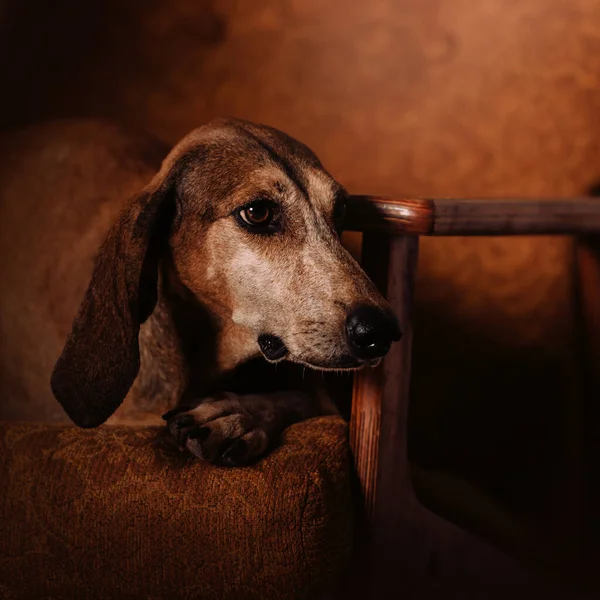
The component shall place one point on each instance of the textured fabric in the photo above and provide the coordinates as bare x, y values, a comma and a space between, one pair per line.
103, 514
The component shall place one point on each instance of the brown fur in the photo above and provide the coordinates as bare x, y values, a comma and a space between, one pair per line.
179, 292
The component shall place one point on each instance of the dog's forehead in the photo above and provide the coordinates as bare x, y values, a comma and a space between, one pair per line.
233, 136
235, 154
273, 142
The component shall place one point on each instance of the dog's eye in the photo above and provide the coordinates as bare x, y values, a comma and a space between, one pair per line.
258, 213
259, 216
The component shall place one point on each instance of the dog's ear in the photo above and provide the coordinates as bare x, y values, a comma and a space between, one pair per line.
101, 357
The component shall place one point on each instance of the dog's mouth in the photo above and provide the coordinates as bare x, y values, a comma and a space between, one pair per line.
343, 363
274, 349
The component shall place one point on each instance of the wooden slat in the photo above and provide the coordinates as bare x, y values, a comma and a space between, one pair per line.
472, 217
516, 216
365, 423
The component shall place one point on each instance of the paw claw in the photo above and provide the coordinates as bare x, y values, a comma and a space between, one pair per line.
233, 455
180, 426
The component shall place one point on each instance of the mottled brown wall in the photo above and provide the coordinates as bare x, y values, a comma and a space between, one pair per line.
427, 97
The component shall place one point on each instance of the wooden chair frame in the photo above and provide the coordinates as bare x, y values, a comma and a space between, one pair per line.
404, 548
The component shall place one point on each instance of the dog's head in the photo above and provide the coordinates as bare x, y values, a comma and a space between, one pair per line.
248, 220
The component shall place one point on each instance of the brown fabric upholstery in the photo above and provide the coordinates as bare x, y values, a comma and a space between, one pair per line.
98, 514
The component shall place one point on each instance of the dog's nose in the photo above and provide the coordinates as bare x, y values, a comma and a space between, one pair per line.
371, 332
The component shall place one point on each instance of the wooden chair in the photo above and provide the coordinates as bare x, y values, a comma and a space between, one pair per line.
406, 550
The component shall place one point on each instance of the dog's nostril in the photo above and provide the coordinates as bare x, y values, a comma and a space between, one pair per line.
371, 332
272, 346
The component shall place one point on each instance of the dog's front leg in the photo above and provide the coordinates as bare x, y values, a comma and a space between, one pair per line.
236, 429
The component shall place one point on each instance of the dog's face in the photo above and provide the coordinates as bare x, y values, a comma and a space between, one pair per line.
256, 239
244, 219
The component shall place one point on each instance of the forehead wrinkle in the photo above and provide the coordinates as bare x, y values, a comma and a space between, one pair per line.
217, 173
285, 165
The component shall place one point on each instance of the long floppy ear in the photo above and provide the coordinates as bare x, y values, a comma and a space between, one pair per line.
101, 357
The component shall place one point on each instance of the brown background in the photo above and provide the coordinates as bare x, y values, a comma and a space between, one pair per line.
419, 97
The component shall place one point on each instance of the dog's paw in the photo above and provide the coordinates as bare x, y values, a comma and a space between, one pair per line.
223, 432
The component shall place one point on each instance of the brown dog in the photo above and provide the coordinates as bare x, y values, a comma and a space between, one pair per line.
229, 252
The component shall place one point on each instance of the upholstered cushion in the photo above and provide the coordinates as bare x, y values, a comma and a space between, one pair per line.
102, 514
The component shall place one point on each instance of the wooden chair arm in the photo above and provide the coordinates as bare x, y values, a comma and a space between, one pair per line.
466, 217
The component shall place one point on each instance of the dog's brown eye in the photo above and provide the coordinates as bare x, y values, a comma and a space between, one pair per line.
259, 216
259, 213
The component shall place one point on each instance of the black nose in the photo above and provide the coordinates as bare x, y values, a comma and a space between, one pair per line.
371, 331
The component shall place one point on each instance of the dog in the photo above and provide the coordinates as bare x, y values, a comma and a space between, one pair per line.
139, 280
